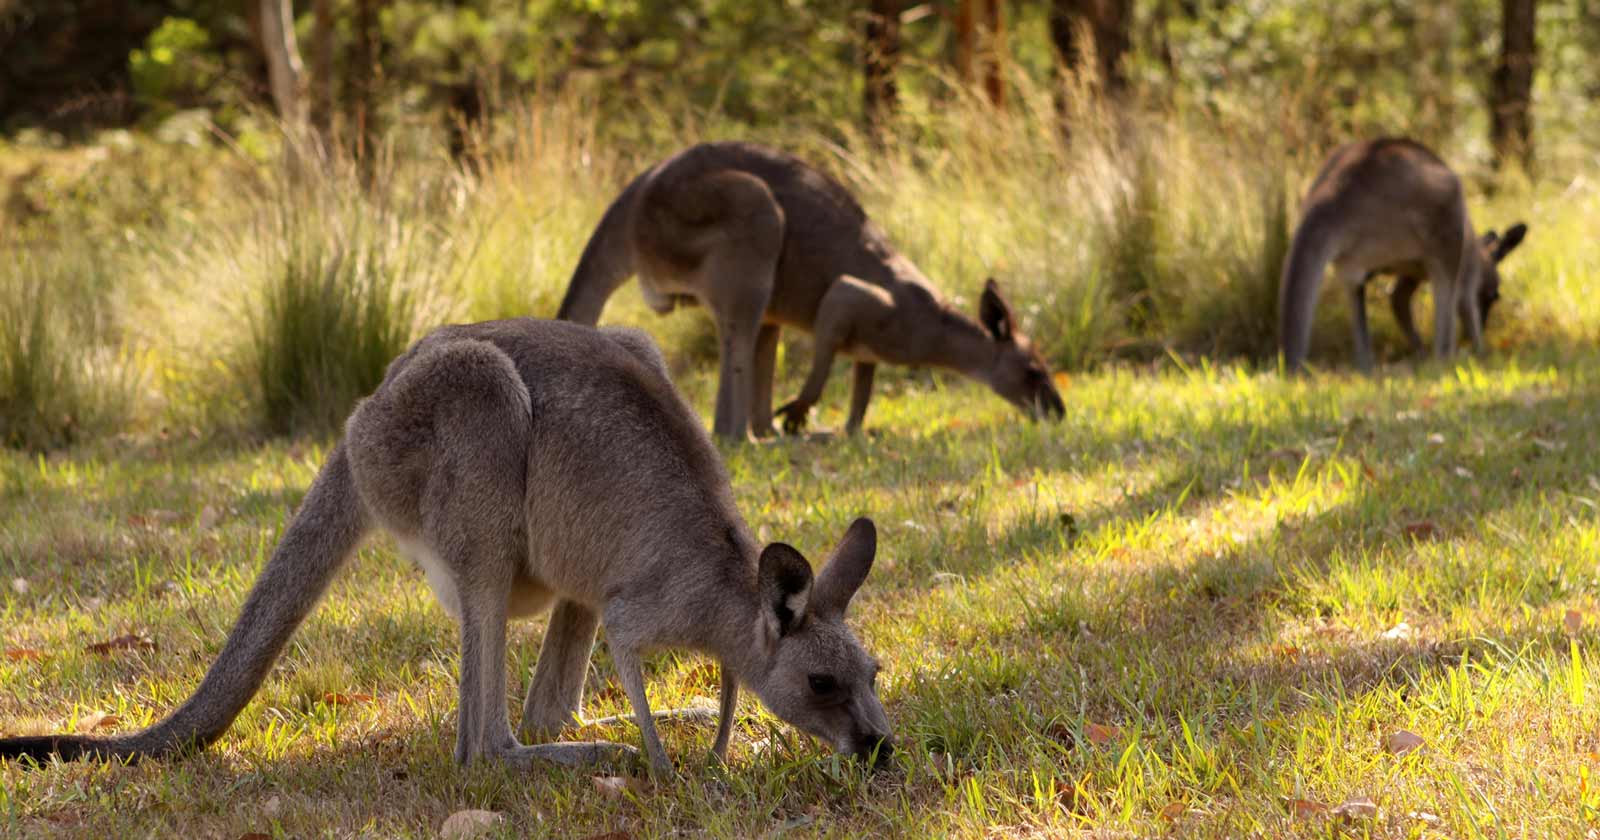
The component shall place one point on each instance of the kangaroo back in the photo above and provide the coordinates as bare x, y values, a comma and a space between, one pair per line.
320, 538
607, 261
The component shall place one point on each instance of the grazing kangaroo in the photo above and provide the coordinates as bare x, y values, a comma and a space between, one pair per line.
765, 241
1390, 206
528, 463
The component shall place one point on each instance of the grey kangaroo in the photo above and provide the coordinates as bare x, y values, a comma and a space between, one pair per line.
524, 464
765, 241
1390, 206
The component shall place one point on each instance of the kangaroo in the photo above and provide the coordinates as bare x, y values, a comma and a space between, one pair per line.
765, 241
526, 465
1390, 206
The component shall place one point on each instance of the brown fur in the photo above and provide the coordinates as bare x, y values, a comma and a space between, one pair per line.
527, 465
765, 241
1390, 206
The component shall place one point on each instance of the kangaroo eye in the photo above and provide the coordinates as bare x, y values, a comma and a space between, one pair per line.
822, 684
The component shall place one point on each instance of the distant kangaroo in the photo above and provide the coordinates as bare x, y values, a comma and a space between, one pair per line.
765, 241
1390, 206
528, 463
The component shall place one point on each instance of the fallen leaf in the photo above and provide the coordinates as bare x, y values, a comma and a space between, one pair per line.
1062, 734
1463, 472
1173, 811
1402, 742
19, 654
1063, 380
334, 698
210, 515
1101, 734
1424, 817
614, 787
1573, 621
1400, 632
1359, 808
1289, 652
97, 720
129, 641
469, 823
20, 585
1305, 809
1436, 439
1424, 529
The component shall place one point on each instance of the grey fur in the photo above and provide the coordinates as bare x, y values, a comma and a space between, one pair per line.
1390, 206
535, 464
765, 241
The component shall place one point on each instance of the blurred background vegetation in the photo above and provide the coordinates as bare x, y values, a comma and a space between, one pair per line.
224, 217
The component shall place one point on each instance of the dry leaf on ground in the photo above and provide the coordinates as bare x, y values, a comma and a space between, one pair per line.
97, 720
1305, 809
469, 823
1101, 734
1573, 622
615, 787
334, 698
1400, 632
20, 585
1173, 811
1358, 808
129, 641
1402, 742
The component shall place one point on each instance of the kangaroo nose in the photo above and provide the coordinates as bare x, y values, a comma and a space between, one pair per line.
877, 748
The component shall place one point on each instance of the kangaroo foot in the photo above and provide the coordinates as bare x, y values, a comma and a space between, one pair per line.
794, 414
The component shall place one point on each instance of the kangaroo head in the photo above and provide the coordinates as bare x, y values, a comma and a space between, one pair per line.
819, 677
1019, 373
1492, 248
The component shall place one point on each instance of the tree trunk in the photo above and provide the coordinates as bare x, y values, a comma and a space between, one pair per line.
882, 53
1107, 24
364, 73
1510, 126
980, 39
322, 66
284, 73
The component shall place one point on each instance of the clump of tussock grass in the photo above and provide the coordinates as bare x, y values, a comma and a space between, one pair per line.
347, 282
62, 377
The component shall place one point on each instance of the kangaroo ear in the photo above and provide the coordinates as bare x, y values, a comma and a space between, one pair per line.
1505, 244
784, 578
846, 569
994, 313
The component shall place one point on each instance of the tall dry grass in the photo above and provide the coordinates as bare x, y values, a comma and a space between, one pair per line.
1127, 235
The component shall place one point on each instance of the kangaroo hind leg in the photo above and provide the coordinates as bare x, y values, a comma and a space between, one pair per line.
736, 280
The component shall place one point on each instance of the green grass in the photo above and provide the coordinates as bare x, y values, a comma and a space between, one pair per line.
1211, 561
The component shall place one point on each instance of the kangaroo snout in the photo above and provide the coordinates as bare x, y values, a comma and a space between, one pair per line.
878, 749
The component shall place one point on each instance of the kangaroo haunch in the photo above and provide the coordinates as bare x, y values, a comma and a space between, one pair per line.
528, 464
765, 241
1390, 206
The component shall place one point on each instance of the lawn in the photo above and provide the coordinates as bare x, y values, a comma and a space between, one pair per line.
1210, 602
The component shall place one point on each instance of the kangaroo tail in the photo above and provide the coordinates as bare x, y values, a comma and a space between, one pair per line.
607, 260
320, 538
1299, 287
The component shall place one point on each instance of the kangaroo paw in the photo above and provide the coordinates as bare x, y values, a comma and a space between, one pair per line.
794, 414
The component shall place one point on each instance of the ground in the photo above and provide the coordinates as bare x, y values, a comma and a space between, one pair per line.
1210, 602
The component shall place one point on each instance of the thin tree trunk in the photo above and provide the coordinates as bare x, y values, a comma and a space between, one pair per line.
882, 52
322, 66
966, 27
364, 73
994, 52
1510, 125
284, 72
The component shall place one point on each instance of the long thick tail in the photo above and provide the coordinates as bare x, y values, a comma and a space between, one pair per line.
607, 261
1299, 287
320, 538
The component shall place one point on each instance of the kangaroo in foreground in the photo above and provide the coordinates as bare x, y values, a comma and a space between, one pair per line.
1390, 206
765, 241
524, 464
